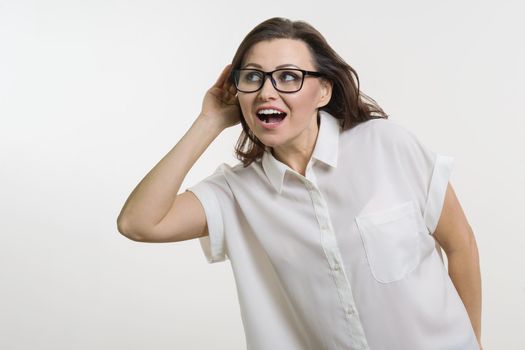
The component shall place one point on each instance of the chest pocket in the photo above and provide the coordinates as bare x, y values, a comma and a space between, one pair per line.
391, 239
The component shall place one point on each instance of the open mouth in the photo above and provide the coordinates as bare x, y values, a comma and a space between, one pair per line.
270, 116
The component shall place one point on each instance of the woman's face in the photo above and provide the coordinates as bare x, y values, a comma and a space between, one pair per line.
298, 129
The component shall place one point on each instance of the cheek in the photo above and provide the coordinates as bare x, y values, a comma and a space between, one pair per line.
306, 101
246, 105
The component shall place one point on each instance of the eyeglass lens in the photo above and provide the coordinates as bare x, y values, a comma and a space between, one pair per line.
288, 80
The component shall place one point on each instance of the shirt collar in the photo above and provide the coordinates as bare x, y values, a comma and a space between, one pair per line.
326, 150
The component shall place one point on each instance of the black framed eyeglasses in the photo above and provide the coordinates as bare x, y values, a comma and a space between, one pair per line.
285, 80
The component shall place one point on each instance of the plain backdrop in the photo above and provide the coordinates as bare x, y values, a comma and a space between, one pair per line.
94, 93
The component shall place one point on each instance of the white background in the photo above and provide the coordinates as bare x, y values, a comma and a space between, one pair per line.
94, 93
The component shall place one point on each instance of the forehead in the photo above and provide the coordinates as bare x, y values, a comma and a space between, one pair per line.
272, 53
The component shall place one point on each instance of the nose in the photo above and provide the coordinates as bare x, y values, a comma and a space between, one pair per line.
267, 91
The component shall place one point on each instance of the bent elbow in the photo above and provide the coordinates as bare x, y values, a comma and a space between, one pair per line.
125, 229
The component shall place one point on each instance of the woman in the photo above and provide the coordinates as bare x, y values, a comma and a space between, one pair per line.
334, 218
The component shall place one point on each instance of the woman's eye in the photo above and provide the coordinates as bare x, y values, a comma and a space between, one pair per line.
287, 76
252, 76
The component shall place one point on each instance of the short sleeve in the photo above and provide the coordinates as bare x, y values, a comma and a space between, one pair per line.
432, 173
210, 192
436, 190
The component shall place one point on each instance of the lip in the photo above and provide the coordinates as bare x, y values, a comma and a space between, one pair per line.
268, 126
270, 107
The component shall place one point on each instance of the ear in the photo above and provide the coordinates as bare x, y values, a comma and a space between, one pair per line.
326, 92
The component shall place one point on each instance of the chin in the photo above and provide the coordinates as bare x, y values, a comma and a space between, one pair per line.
271, 143
266, 142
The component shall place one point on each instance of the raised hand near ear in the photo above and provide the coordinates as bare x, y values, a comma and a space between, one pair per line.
155, 211
220, 102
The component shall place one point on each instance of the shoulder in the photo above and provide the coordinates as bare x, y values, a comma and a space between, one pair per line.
238, 168
381, 131
238, 172
219, 181
382, 126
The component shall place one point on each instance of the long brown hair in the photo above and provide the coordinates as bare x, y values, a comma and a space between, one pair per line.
347, 103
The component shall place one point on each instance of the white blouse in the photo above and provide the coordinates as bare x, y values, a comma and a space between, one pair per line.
344, 257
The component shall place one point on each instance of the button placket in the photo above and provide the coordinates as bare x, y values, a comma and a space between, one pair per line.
331, 249
349, 310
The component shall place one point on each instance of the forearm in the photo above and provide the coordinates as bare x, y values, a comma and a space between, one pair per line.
154, 195
464, 271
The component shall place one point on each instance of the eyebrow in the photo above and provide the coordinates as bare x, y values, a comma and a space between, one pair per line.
278, 67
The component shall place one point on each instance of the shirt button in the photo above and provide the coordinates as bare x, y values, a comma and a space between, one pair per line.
337, 267
349, 310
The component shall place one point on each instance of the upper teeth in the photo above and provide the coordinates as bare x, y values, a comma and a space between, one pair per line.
269, 111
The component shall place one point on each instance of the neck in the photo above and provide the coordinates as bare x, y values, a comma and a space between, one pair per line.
297, 155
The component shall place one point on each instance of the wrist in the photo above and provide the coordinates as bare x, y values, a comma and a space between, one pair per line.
211, 123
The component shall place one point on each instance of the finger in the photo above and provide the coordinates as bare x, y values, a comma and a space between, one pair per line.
232, 89
227, 82
222, 78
